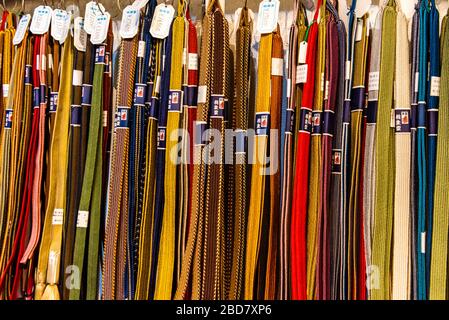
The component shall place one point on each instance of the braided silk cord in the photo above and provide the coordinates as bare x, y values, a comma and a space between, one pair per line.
166, 260
323, 273
116, 223
438, 271
384, 153
300, 191
241, 119
258, 168
315, 179
401, 233
370, 134
357, 106
275, 175
288, 151
423, 69
74, 167
413, 160
10, 154
432, 123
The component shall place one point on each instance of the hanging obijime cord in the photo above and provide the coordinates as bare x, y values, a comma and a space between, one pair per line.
384, 158
298, 231
241, 119
323, 273
421, 152
166, 260
370, 138
401, 233
258, 171
357, 106
215, 217
438, 267
90, 201
296, 34
54, 213
114, 260
74, 167
137, 148
315, 162
10, 156
433, 98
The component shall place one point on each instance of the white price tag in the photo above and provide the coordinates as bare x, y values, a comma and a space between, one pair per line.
5, 89
101, 26
58, 217
141, 50
140, 4
423, 242
302, 56
93, 9
277, 67
301, 73
41, 20
79, 34
193, 61
83, 219
162, 19
77, 78
359, 30
202, 94
21, 29
373, 81
348, 70
157, 87
130, 22
268, 16
416, 81
435, 86
60, 25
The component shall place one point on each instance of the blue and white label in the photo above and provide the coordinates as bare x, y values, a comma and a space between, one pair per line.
162, 138
28, 75
53, 102
8, 118
122, 118
289, 121
217, 106
402, 121
336, 161
305, 124
316, 123
100, 55
262, 123
140, 94
175, 101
